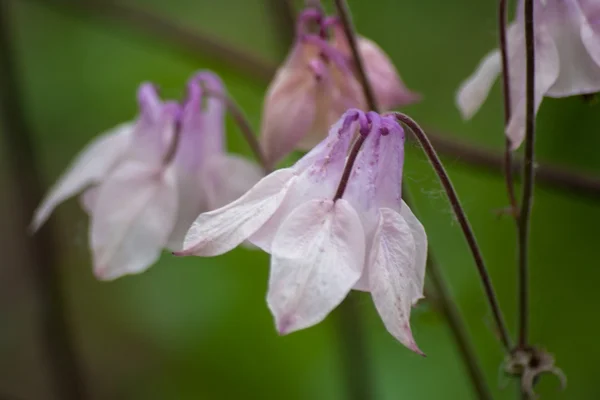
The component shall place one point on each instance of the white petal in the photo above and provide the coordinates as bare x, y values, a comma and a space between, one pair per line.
88, 199
473, 92
133, 217
420, 239
317, 257
228, 177
90, 166
217, 232
576, 42
392, 275
546, 73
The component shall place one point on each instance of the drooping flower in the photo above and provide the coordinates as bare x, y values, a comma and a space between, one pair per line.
147, 180
567, 60
317, 83
323, 246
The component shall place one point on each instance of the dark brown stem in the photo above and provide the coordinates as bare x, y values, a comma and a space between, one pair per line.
348, 167
464, 224
508, 170
242, 122
350, 33
528, 177
41, 249
198, 43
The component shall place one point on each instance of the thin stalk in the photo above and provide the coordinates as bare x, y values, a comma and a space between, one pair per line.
508, 169
464, 224
245, 128
59, 355
348, 167
346, 20
528, 176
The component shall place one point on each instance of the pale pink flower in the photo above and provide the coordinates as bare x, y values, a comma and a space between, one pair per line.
310, 91
146, 181
322, 247
567, 60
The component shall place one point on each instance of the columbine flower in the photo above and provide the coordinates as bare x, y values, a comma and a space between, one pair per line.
147, 180
310, 91
322, 246
317, 84
567, 40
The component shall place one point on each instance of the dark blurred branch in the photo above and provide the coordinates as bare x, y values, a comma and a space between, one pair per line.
41, 249
199, 43
547, 174
284, 14
188, 40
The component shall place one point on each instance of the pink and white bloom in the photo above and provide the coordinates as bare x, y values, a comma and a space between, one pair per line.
567, 39
310, 91
147, 180
322, 247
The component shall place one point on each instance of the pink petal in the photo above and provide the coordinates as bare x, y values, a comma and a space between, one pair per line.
389, 89
420, 238
134, 214
217, 232
393, 277
289, 109
473, 92
576, 42
227, 178
90, 167
318, 255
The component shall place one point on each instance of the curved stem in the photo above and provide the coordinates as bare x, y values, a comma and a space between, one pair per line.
464, 224
247, 132
508, 170
528, 177
346, 20
348, 167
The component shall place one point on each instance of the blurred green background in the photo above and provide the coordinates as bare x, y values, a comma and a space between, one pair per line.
193, 328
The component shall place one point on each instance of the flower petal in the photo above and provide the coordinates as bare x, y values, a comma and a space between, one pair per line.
576, 41
217, 232
420, 238
133, 217
317, 257
227, 178
289, 109
389, 89
90, 166
392, 275
473, 92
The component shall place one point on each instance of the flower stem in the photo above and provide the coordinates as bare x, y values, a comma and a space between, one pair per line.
464, 224
247, 132
59, 354
346, 20
528, 176
508, 169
